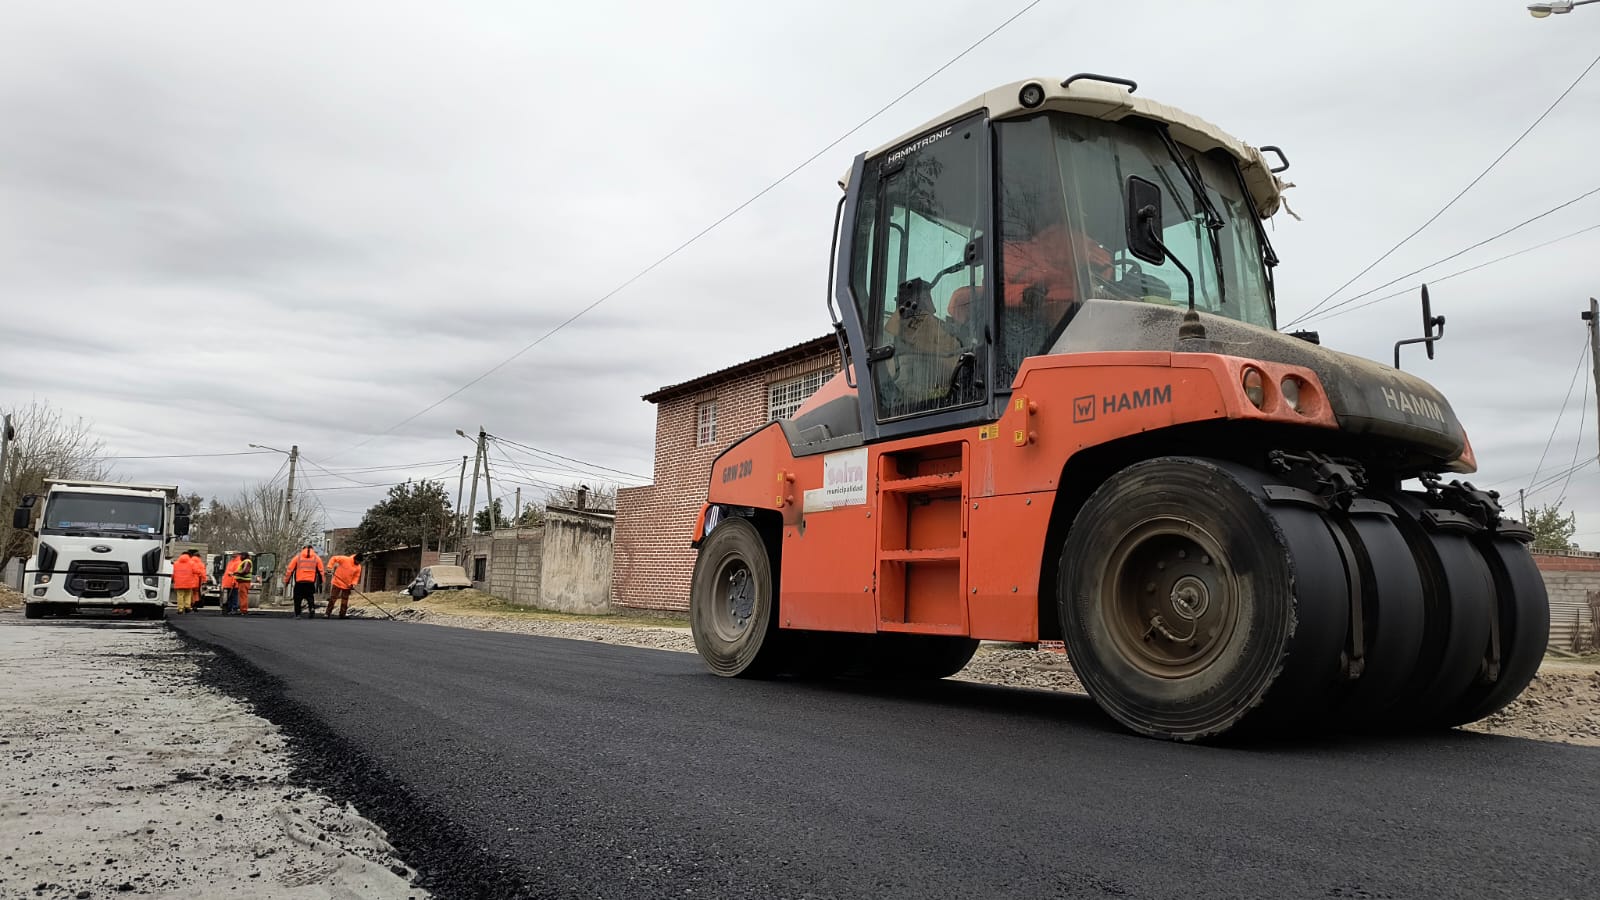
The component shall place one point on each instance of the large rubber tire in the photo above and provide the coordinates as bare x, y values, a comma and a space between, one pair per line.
1458, 598
1524, 611
1194, 542
34, 610
917, 656
1391, 614
733, 602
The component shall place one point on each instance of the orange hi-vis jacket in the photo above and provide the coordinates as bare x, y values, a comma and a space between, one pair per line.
304, 566
187, 572
346, 571
228, 580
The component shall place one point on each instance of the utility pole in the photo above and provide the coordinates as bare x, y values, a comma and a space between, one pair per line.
1522, 504
462, 480
1592, 317
288, 495
472, 505
7, 434
488, 487
516, 515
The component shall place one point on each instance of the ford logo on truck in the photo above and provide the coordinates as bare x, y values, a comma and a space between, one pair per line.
100, 548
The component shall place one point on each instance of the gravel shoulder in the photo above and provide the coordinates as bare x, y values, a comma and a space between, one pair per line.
124, 775
1562, 704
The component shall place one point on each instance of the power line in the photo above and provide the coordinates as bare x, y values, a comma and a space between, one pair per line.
545, 456
361, 470
1401, 293
538, 483
1347, 301
356, 487
1458, 196
698, 235
1583, 411
1550, 480
1563, 411
191, 455
282, 467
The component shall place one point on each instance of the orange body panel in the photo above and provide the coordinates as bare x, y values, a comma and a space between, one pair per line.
944, 533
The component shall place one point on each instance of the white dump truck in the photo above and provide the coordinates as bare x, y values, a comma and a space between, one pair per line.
100, 545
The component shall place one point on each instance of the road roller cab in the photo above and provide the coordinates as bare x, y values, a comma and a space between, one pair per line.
1066, 413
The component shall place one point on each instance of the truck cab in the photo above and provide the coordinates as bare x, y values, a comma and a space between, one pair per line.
100, 545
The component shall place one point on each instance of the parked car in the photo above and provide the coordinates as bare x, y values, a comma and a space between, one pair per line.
437, 578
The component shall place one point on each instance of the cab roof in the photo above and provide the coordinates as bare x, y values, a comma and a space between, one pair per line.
1112, 102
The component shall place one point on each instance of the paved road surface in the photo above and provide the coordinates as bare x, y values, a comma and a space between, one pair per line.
510, 765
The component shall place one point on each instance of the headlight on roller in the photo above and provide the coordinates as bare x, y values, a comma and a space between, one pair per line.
1255, 386
1290, 387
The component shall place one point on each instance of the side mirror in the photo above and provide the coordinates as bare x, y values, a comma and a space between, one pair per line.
1144, 220
180, 523
20, 518
1430, 335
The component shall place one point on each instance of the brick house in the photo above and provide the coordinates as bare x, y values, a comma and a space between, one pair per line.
695, 421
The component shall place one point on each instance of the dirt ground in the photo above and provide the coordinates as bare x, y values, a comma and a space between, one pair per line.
1562, 704
125, 776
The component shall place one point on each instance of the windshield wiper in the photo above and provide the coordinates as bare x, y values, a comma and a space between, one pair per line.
1214, 223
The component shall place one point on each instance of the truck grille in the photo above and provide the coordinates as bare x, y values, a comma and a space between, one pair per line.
91, 580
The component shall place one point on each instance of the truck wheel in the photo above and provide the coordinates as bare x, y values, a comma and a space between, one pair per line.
1524, 613
1392, 617
1458, 591
33, 610
733, 600
1189, 604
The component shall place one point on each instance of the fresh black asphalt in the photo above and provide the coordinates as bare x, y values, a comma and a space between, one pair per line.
507, 765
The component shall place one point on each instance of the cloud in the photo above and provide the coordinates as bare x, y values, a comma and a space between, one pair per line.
220, 226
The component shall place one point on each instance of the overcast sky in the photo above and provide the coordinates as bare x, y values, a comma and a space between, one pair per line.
304, 224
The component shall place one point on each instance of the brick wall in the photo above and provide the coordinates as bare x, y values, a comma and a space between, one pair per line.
652, 559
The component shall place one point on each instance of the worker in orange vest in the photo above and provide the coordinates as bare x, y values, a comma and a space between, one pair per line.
345, 573
304, 571
230, 585
244, 574
188, 571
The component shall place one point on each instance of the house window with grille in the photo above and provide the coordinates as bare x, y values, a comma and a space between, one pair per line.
705, 416
784, 397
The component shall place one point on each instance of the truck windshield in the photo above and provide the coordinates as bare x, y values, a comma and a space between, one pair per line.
104, 515
1064, 237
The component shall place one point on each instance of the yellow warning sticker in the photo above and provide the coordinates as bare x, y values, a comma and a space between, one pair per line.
988, 432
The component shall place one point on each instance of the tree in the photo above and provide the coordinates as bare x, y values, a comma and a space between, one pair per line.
254, 521
482, 523
48, 444
1552, 530
413, 512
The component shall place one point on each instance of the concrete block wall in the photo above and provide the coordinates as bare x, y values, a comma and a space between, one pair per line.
653, 561
513, 563
577, 562
1569, 579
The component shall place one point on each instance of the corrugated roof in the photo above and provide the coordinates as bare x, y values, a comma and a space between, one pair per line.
801, 351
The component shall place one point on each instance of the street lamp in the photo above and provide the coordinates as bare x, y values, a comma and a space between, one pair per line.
265, 447
1558, 7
